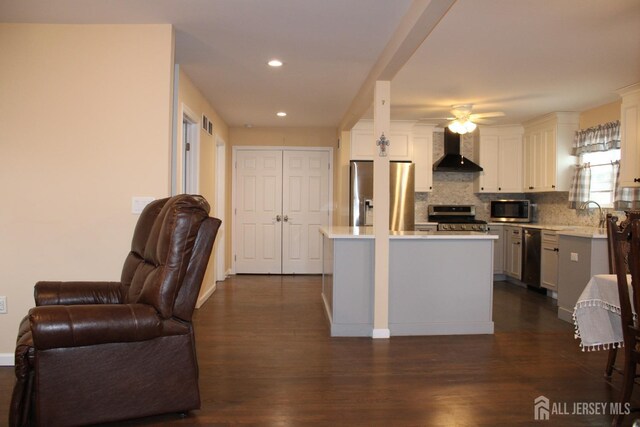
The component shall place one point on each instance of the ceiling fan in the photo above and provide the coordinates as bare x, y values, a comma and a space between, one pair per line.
464, 121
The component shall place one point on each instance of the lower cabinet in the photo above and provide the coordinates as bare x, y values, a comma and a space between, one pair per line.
513, 259
498, 248
549, 260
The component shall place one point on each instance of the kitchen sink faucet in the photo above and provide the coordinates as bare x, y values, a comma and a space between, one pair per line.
602, 220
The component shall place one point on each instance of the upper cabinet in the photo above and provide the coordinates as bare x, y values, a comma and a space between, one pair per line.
363, 142
548, 158
630, 136
408, 141
422, 136
499, 152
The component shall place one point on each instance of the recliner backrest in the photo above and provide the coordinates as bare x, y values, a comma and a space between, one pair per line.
161, 251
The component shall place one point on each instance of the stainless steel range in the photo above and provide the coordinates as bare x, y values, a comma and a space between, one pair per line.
456, 218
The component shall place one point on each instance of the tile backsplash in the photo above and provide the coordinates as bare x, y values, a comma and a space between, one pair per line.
457, 188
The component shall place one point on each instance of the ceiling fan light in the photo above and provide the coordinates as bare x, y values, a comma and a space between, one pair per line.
457, 127
469, 126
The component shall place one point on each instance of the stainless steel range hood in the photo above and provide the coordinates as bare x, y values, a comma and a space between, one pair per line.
453, 161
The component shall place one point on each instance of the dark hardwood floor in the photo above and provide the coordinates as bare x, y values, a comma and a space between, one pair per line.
266, 359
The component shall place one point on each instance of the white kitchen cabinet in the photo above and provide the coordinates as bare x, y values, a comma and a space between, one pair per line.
499, 152
549, 260
422, 136
513, 259
630, 136
498, 248
548, 160
408, 142
363, 142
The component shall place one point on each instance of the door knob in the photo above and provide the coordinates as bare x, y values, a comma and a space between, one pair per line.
286, 218
278, 218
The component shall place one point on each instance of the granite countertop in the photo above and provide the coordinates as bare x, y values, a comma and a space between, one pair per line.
565, 230
343, 232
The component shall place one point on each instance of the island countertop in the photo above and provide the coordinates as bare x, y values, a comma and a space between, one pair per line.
344, 232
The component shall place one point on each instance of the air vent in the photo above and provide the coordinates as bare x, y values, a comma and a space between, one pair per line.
207, 125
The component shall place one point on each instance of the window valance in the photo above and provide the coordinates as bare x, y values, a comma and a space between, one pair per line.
598, 138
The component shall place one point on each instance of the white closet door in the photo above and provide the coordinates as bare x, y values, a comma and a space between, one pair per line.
305, 207
259, 205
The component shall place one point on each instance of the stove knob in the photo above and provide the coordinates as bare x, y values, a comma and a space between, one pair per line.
445, 226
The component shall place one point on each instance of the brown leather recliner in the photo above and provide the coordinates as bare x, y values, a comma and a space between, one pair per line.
94, 352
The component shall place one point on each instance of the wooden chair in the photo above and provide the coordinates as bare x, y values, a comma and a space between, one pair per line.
626, 253
613, 352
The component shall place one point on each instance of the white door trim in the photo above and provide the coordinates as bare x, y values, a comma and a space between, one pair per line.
221, 166
194, 158
234, 152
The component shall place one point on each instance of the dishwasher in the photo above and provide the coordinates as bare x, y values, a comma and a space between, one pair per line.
531, 257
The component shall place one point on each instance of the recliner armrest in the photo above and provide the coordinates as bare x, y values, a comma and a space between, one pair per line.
81, 325
72, 293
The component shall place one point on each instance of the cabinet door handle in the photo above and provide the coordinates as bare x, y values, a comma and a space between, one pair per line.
636, 179
553, 186
278, 218
500, 188
556, 250
482, 188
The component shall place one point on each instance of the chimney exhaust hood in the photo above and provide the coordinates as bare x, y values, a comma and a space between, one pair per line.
453, 161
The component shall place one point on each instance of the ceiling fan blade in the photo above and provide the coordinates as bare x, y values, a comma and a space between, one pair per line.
485, 115
437, 118
482, 121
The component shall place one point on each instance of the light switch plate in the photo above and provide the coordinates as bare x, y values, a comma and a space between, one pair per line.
138, 203
3, 305
574, 256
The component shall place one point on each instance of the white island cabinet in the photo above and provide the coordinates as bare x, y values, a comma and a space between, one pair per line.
439, 283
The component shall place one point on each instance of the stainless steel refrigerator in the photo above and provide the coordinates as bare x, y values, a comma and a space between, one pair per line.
401, 203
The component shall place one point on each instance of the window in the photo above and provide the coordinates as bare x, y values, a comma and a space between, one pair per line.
602, 175
598, 152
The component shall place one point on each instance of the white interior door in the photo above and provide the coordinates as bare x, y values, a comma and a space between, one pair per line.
258, 211
305, 207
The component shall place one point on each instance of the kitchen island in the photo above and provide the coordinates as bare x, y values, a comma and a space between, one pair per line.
440, 283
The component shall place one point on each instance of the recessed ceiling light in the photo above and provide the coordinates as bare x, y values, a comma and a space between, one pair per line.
281, 114
275, 63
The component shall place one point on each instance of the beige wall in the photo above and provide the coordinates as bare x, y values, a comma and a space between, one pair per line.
85, 124
190, 99
276, 137
599, 115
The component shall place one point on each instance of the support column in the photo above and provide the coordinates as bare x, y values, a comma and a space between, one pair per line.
381, 125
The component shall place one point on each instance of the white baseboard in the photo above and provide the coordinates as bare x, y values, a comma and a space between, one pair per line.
381, 333
7, 359
204, 297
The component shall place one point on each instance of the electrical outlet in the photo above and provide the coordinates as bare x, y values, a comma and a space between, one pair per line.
574, 256
3, 305
138, 203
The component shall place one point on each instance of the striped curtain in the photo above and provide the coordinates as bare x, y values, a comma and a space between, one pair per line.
624, 198
580, 186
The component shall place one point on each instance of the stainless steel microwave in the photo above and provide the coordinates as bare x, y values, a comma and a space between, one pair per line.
512, 211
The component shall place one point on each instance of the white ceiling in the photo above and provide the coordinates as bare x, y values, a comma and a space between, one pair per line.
524, 57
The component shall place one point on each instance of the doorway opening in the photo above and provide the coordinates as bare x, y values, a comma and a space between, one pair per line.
190, 152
